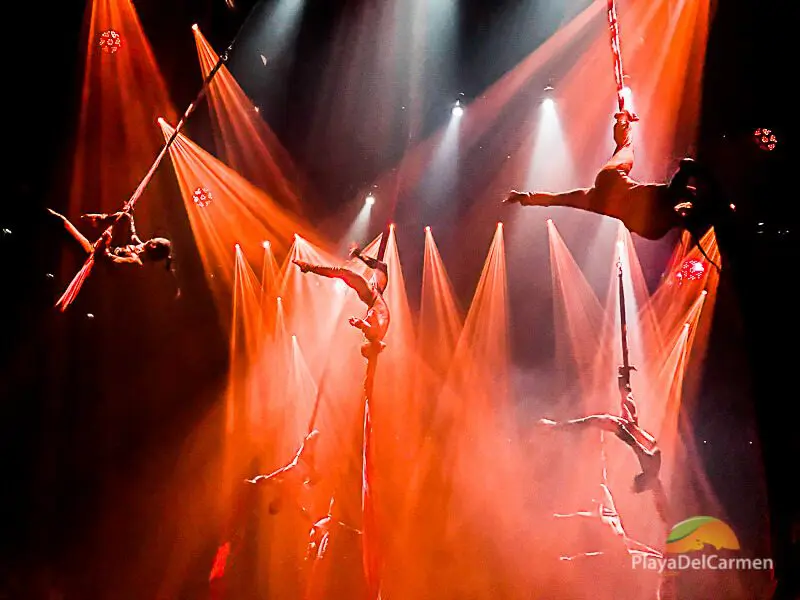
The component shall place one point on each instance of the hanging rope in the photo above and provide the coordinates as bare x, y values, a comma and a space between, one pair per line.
74, 287
619, 75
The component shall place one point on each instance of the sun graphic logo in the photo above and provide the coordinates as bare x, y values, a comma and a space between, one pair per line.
698, 532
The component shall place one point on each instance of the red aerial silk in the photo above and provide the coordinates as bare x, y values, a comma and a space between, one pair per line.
370, 542
74, 287
613, 27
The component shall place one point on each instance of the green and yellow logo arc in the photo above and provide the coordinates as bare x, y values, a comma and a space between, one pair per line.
695, 533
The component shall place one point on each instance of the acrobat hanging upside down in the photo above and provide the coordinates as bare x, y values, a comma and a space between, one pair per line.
376, 322
123, 246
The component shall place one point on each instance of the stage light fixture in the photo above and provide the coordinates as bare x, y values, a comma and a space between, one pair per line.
766, 139
458, 109
691, 270
265, 244
110, 41
202, 197
369, 200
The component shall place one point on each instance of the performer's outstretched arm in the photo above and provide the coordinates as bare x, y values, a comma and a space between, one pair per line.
582, 513
351, 278
635, 547
604, 422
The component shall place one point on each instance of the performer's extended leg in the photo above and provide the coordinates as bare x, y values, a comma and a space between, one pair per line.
79, 237
581, 513
351, 278
605, 422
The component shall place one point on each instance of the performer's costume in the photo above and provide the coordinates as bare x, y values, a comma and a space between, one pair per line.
376, 322
650, 210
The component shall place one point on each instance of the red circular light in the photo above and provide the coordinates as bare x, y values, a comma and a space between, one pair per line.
691, 270
110, 41
765, 139
202, 197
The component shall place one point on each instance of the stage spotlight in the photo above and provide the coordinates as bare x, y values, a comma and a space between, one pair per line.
161, 120
265, 244
280, 300
691, 270
391, 226
110, 41
294, 338
202, 197
458, 109
549, 221
547, 98
765, 138
733, 207
238, 247
428, 229
195, 27
369, 200
499, 224
704, 292
627, 96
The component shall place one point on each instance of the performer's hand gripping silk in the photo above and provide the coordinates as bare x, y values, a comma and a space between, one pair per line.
650, 210
124, 246
376, 322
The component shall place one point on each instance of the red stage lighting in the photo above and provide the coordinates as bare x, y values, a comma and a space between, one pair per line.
765, 138
691, 270
202, 197
110, 41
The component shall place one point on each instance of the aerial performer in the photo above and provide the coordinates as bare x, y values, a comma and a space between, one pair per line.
650, 210
606, 512
375, 323
290, 480
644, 445
121, 244
287, 483
320, 533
